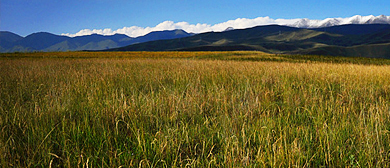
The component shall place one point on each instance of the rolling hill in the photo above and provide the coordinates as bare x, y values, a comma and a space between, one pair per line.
368, 40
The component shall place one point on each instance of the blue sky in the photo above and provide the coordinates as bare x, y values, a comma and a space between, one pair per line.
70, 16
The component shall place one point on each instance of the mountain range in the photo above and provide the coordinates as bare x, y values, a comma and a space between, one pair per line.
367, 36
43, 41
357, 19
366, 40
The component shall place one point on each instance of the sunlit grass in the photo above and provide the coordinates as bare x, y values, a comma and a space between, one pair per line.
199, 109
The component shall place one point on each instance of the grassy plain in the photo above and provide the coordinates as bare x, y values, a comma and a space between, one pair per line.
197, 109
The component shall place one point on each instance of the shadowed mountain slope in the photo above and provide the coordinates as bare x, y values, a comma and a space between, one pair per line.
345, 40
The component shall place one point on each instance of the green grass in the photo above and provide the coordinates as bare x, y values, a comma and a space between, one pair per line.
198, 109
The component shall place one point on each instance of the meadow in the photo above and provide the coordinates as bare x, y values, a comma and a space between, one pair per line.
193, 109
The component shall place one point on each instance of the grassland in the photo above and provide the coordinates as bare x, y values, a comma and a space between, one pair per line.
196, 109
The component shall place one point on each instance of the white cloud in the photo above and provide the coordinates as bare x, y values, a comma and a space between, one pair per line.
135, 31
240, 23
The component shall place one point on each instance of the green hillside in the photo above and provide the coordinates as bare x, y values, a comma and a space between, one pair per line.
283, 40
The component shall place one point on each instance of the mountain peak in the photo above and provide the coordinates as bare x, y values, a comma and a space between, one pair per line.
229, 29
6, 36
180, 32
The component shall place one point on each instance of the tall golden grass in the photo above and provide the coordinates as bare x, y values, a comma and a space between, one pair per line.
198, 109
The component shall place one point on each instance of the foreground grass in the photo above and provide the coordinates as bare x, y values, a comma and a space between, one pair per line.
207, 111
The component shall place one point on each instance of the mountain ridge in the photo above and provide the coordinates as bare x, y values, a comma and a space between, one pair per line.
343, 39
44, 41
328, 22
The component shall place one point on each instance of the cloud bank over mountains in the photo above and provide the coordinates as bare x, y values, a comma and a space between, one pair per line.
135, 31
240, 23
